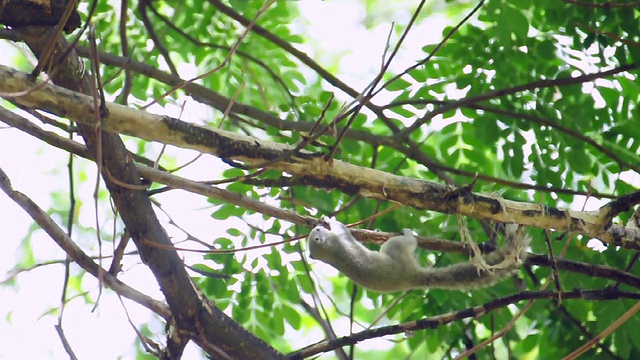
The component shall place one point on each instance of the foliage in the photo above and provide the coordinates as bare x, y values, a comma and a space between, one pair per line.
507, 97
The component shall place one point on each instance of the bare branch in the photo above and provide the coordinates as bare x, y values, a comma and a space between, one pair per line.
469, 313
372, 183
74, 251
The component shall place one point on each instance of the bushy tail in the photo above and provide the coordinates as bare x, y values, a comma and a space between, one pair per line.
481, 272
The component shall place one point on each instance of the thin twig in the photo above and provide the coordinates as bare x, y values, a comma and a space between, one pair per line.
436, 49
606, 332
74, 251
224, 62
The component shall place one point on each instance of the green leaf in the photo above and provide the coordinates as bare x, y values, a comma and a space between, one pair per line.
398, 84
579, 160
225, 211
419, 75
515, 21
292, 317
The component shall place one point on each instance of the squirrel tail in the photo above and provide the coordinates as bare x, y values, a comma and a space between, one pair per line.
481, 272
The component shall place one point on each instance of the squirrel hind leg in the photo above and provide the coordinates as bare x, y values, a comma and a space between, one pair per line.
401, 248
482, 265
514, 252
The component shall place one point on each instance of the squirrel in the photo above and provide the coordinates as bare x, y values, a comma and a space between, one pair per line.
395, 268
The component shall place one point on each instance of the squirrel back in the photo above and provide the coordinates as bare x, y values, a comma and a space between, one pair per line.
395, 267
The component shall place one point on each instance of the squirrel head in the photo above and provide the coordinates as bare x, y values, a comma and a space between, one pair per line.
319, 243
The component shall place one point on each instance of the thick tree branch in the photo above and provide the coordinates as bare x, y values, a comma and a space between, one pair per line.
314, 169
194, 316
221, 103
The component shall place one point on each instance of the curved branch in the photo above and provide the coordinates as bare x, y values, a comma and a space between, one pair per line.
142, 10
513, 90
75, 252
469, 313
351, 179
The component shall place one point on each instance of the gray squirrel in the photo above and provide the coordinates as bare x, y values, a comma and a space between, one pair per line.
395, 268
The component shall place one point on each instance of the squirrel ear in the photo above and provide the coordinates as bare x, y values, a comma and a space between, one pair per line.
407, 232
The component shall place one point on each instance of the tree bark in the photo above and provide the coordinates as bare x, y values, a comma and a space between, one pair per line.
194, 316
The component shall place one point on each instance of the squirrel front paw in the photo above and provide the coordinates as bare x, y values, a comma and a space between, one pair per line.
324, 222
331, 222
